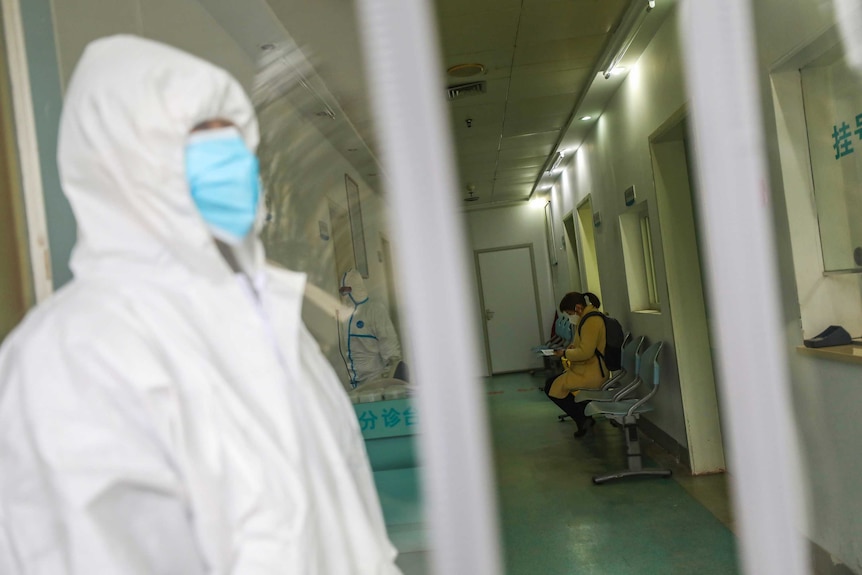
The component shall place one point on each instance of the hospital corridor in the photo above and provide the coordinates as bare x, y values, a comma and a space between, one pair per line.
382, 287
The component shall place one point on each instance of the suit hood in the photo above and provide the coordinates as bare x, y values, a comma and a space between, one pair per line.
353, 279
128, 112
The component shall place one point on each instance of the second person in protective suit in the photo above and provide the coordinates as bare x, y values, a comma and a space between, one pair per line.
369, 343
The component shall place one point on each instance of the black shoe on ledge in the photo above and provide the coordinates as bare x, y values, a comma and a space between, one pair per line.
588, 424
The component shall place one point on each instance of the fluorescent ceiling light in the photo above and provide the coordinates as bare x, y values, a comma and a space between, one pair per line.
628, 29
538, 203
585, 118
557, 161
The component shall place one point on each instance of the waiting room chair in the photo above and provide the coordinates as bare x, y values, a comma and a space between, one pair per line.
615, 379
623, 383
626, 412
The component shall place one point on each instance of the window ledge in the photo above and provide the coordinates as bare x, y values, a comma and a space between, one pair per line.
847, 353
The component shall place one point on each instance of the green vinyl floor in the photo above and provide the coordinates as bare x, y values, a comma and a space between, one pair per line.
555, 521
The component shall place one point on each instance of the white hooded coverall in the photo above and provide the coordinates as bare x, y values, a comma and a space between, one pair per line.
370, 342
159, 415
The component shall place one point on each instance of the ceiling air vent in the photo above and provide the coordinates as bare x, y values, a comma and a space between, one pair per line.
464, 90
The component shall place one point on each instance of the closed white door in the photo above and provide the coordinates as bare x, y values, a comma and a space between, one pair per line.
511, 311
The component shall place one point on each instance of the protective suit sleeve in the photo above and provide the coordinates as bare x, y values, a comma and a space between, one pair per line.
384, 330
100, 471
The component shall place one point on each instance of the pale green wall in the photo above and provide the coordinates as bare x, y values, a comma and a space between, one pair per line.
47, 104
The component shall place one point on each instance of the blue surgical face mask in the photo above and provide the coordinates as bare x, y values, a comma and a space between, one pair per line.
563, 327
224, 179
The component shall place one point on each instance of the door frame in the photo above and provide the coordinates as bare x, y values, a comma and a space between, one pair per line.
582, 249
17, 272
573, 255
476, 254
29, 160
687, 307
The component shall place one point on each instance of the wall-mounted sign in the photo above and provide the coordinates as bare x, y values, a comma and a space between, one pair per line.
629, 195
597, 219
842, 138
833, 116
391, 418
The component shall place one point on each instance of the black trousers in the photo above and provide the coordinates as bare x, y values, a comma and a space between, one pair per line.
568, 404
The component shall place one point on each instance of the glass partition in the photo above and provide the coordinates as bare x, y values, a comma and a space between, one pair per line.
833, 116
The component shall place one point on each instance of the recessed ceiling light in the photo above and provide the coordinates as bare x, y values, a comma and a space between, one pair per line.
466, 70
586, 118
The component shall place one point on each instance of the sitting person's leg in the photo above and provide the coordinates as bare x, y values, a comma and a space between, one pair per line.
548, 383
577, 414
568, 404
573, 409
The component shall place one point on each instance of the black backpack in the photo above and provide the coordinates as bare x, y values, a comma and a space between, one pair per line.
614, 336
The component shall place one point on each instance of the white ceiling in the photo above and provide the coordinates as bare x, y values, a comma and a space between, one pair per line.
540, 58
539, 55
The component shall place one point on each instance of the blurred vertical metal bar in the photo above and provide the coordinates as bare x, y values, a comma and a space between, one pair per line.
28, 150
405, 72
721, 70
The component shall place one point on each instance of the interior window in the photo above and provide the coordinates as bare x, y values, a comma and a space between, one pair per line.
832, 96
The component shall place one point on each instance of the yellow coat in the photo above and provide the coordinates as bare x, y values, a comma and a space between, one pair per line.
583, 368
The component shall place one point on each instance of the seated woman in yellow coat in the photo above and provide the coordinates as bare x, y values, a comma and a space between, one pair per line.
584, 367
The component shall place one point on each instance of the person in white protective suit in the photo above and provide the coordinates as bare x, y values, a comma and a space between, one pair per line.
168, 412
369, 342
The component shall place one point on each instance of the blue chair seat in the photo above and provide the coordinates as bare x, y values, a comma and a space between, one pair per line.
596, 395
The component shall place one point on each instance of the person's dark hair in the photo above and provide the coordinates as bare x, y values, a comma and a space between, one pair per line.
593, 299
571, 299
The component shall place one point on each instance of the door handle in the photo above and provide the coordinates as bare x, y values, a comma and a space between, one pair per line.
489, 314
